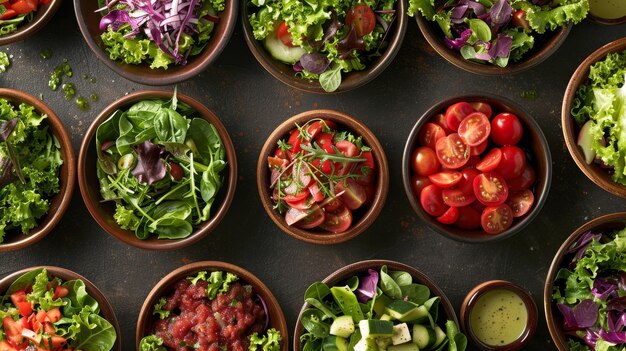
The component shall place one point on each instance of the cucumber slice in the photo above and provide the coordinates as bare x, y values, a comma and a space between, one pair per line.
335, 343
342, 326
423, 336
282, 52
406, 311
375, 328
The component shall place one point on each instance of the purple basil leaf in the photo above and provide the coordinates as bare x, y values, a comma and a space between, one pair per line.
500, 14
541, 2
616, 304
150, 168
350, 42
458, 13
367, 286
458, 43
478, 8
314, 62
586, 313
6, 128
501, 47
569, 321
613, 337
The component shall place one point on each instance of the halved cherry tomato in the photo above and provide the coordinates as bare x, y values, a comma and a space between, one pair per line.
450, 216
296, 197
332, 204
456, 113
432, 201
440, 120
468, 219
446, 179
315, 216
521, 202
338, 221
347, 148
452, 152
483, 107
524, 180
418, 183
474, 129
513, 162
429, 134
519, 20
354, 195
455, 197
506, 129
490, 189
491, 161
496, 219
362, 18
282, 32
424, 161
176, 171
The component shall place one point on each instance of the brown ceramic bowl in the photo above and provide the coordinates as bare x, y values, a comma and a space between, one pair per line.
545, 45
362, 217
352, 80
102, 212
361, 267
471, 300
146, 318
533, 141
89, 20
106, 310
67, 175
603, 224
593, 171
26, 29
601, 18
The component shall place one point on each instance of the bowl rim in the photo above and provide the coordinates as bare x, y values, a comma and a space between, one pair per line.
169, 76
435, 40
30, 28
66, 274
554, 329
598, 176
543, 184
228, 187
66, 185
382, 180
479, 290
373, 70
361, 266
164, 285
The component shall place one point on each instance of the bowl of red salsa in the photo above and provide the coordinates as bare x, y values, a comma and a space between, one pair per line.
212, 306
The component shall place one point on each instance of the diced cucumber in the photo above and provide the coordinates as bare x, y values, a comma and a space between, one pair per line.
385, 317
366, 344
335, 343
401, 334
375, 328
342, 326
281, 51
383, 342
423, 336
381, 302
408, 346
406, 311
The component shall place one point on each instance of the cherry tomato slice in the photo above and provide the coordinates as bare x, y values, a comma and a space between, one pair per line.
333, 204
468, 219
474, 129
354, 195
296, 197
432, 201
362, 18
315, 217
491, 161
496, 219
282, 32
418, 183
506, 129
456, 113
521, 202
338, 221
483, 107
519, 20
479, 149
450, 216
524, 180
176, 171
513, 162
301, 204
455, 197
424, 161
446, 179
430, 133
452, 152
490, 189
347, 148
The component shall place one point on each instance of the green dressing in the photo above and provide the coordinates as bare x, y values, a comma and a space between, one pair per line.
607, 9
499, 317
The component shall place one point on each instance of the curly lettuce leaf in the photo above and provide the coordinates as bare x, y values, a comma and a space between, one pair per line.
87, 331
547, 18
158, 308
151, 343
219, 282
4, 62
267, 342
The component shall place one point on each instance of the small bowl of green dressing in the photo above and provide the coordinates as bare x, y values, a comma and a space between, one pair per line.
499, 315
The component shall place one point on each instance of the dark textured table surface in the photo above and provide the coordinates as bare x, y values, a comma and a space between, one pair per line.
251, 103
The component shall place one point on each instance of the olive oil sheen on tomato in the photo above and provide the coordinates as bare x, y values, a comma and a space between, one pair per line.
499, 317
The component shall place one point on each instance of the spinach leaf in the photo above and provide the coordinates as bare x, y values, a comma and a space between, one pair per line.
401, 278
320, 306
416, 293
127, 136
388, 285
313, 321
205, 138
171, 228
317, 291
170, 126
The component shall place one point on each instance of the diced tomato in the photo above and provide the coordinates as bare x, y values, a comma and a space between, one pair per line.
8, 14
23, 7
276, 162
369, 159
24, 307
317, 195
54, 314
13, 330
54, 341
49, 328
5, 346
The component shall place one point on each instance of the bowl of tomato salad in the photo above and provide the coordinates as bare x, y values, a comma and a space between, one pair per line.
53, 308
19, 19
476, 168
323, 176
330, 48
211, 305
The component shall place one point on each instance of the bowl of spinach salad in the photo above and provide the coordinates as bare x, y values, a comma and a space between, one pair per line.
37, 170
53, 308
157, 170
377, 305
324, 46
160, 42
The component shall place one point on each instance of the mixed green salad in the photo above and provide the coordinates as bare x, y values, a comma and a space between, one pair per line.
381, 310
599, 109
498, 31
159, 32
43, 313
322, 39
590, 292
30, 159
160, 162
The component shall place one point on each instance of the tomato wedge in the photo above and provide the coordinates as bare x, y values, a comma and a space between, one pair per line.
354, 195
315, 216
337, 221
450, 216
362, 18
469, 218
452, 152
495, 220
490, 189
521, 202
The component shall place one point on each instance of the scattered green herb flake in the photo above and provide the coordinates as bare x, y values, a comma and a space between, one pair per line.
82, 103
94, 97
45, 54
530, 94
4, 61
69, 90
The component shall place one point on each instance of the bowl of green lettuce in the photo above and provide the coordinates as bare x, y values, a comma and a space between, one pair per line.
593, 116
